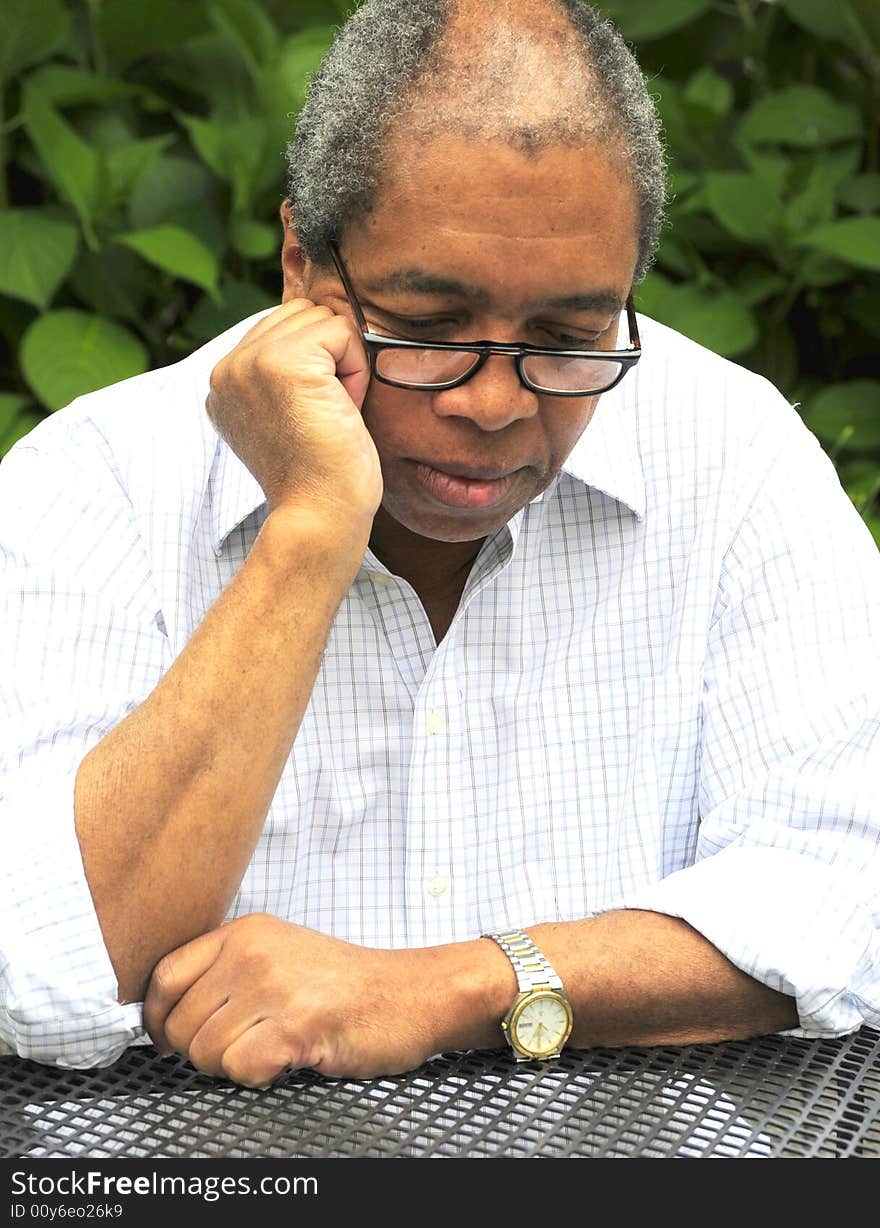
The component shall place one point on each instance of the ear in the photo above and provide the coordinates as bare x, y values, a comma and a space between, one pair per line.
294, 265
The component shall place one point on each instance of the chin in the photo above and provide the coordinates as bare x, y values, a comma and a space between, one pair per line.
440, 527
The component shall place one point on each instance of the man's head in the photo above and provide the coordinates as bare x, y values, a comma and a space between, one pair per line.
532, 73
477, 165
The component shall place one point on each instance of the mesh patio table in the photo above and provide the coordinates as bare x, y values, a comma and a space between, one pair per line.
770, 1097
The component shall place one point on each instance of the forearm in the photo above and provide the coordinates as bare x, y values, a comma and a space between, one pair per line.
633, 978
170, 804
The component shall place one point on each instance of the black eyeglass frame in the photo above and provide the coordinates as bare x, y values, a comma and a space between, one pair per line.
375, 343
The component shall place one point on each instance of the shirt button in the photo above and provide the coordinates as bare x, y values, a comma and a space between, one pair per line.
434, 724
380, 579
436, 885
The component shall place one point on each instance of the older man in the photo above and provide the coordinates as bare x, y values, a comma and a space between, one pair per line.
472, 670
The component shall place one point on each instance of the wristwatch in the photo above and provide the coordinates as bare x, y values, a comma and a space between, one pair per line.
540, 1020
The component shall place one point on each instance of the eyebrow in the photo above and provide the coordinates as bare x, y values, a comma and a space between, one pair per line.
417, 281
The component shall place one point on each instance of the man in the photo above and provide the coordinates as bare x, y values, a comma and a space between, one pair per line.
406, 681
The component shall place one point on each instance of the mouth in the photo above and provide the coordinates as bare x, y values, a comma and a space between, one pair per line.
464, 486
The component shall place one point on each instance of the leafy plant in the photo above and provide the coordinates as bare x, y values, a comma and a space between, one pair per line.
141, 170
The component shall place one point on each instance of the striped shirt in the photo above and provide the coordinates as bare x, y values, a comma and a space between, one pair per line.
660, 691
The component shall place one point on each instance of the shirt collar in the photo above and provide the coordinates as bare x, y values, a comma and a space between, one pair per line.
606, 458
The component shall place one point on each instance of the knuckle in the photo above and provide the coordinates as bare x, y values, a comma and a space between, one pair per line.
204, 1057
219, 376
163, 980
248, 1070
175, 1034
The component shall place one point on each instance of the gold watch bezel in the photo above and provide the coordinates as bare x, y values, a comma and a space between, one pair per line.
509, 1023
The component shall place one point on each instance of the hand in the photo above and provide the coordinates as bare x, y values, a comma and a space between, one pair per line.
288, 402
259, 996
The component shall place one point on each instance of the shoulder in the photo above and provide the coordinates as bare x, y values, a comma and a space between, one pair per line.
130, 440
693, 409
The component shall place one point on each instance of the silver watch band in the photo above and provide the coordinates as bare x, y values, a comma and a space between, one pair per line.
533, 970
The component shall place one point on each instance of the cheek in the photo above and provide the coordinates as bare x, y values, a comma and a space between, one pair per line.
567, 419
390, 415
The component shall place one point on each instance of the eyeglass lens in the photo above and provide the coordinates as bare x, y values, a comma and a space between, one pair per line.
557, 374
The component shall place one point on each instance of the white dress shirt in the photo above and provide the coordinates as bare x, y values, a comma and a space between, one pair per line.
659, 691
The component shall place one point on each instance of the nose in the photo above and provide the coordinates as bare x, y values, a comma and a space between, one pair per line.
493, 398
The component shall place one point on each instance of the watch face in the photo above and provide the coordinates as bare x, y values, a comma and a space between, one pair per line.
542, 1025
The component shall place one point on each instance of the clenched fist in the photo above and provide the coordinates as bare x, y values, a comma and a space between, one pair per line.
260, 996
288, 402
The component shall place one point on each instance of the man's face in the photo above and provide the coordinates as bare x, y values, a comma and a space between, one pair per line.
473, 241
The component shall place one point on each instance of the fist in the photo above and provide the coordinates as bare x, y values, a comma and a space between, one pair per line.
287, 399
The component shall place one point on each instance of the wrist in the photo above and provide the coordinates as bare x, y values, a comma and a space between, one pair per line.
476, 985
297, 530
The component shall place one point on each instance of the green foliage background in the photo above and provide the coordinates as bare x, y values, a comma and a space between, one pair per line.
141, 170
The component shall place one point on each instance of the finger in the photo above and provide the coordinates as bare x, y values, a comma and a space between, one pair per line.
172, 978
218, 1031
261, 1054
278, 316
201, 1003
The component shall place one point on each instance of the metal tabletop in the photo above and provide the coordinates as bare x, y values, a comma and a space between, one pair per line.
771, 1097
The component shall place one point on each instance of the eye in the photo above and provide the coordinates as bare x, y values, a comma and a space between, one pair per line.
401, 325
567, 341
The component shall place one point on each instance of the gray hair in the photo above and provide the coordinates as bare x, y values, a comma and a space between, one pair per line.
390, 71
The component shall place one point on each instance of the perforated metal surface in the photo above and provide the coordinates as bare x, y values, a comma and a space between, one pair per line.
765, 1098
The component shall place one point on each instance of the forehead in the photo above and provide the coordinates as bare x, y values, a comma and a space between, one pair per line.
504, 223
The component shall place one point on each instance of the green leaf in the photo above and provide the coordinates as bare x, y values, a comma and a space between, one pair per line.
131, 162
249, 28
11, 404
710, 315
239, 299
856, 240
817, 269
861, 193
844, 21
644, 21
772, 168
36, 254
111, 282
282, 88
130, 32
863, 306
23, 425
247, 154
183, 192
776, 356
861, 481
175, 251
710, 91
755, 283
64, 85
744, 206
32, 30
803, 116
71, 163
813, 205
849, 411
255, 240
65, 354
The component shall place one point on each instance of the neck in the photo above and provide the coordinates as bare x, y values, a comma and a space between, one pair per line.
433, 568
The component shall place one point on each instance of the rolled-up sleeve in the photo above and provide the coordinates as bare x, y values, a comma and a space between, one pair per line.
786, 881
82, 646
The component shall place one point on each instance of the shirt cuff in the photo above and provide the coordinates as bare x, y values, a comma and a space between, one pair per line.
798, 925
58, 1002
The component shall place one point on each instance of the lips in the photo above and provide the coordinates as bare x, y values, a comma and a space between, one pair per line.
474, 473
464, 486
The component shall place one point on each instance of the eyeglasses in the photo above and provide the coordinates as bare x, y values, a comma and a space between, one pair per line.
437, 365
